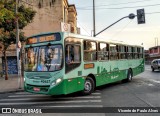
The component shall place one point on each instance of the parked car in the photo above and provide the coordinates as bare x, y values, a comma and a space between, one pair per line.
155, 64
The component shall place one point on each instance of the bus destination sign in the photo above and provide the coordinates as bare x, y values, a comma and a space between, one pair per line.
33, 40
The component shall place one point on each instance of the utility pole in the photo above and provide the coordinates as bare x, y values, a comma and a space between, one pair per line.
17, 46
94, 28
156, 41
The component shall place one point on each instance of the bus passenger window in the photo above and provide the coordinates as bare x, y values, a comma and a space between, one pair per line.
90, 50
130, 56
140, 52
103, 51
113, 52
122, 52
135, 54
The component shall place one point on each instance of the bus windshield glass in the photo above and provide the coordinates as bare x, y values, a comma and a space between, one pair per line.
43, 58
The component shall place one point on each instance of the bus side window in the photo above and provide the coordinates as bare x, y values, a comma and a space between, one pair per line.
140, 52
122, 52
90, 50
129, 52
72, 57
103, 51
135, 55
113, 52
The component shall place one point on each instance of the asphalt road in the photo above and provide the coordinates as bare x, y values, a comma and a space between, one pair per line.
143, 91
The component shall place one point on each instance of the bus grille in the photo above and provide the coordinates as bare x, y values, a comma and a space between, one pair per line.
42, 88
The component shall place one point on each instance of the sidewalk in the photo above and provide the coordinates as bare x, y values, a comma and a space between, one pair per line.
11, 85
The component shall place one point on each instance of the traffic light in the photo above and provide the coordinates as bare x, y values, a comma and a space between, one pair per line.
140, 16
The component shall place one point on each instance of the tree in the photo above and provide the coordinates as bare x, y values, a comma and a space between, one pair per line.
8, 19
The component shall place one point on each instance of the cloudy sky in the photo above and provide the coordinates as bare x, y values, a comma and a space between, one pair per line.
128, 31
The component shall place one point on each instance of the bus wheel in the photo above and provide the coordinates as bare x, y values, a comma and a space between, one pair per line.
88, 86
129, 76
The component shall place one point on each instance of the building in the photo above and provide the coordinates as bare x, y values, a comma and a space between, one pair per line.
51, 16
154, 53
146, 53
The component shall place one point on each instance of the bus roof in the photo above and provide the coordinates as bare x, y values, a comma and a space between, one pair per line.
86, 37
100, 39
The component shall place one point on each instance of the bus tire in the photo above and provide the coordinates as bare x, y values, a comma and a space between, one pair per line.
129, 75
89, 86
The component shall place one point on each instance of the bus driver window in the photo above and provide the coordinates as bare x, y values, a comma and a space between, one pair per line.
72, 57
69, 54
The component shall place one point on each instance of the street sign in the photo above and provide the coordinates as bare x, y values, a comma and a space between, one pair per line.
19, 44
65, 27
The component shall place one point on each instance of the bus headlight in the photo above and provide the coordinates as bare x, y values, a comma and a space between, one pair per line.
56, 82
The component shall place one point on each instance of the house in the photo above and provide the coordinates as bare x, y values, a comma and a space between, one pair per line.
154, 53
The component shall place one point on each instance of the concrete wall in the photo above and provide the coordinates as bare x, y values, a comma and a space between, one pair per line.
47, 19
50, 15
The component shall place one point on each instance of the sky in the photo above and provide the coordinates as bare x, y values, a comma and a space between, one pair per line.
127, 30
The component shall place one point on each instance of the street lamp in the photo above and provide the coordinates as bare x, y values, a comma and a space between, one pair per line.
130, 16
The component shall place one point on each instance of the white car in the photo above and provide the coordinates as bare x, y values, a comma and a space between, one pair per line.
155, 64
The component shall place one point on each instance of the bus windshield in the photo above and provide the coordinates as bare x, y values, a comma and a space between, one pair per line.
43, 58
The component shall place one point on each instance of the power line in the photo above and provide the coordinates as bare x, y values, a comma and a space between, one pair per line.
121, 7
116, 4
121, 29
153, 13
84, 28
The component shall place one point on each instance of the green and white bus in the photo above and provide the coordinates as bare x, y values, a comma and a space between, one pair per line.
63, 63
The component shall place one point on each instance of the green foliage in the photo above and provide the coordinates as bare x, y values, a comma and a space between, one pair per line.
8, 19
25, 16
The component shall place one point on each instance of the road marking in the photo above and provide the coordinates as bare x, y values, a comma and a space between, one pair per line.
95, 93
150, 84
31, 95
23, 93
38, 95
155, 81
46, 98
49, 102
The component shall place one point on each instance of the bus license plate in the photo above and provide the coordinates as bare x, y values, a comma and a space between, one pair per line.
36, 89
